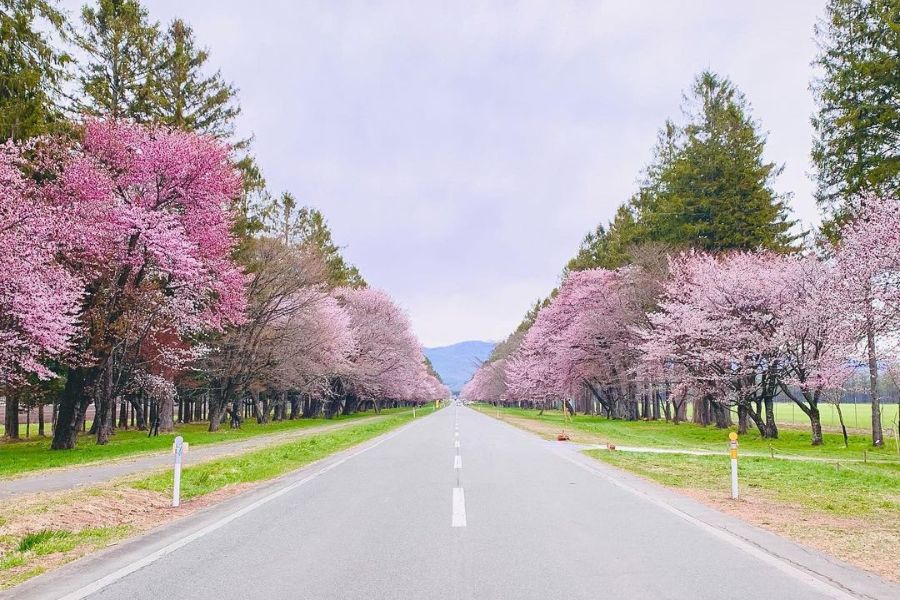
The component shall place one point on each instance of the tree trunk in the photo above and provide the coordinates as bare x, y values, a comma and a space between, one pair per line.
72, 407
215, 414
877, 433
816, 421
12, 416
701, 410
41, 420
166, 414
123, 415
721, 415
137, 407
260, 407
743, 424
236, 412
106, 406
771, 427
843, 427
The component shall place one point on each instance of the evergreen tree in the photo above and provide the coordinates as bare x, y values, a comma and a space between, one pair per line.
184, 95
121, 46
609, 248
857, 145
304, 226
31, 68
709, 186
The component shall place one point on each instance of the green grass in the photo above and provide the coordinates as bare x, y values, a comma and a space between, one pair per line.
31, 547
659, 434
856, 416
35, 454
268, 463
845, 490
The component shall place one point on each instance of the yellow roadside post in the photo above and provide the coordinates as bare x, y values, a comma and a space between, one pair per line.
734, 446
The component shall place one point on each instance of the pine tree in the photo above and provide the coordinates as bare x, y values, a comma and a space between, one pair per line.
857, 145
709, 186
610, 248
185, 96
121, 45
31, 68
306, 227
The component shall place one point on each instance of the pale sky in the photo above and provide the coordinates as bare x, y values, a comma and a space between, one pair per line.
460, 150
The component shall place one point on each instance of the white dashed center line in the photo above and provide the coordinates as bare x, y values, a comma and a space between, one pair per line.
459, 508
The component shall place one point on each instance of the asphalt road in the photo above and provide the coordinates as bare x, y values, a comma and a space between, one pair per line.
503, 515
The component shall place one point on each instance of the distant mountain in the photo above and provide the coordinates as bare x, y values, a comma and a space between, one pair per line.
456, 364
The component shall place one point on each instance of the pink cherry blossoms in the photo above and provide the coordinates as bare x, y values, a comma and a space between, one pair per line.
724, 332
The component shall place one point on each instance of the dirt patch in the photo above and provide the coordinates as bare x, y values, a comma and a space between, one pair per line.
549, 431
124, 510
871, 543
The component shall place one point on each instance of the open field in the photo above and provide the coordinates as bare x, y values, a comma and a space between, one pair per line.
856, 416
687, 436
45, 531
31, 455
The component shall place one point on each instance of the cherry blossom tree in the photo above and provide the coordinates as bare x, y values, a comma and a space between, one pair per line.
488, 383
39, 296
148, 214
387, 363
868, 257
813, 333
716, 322
314, 348
281, 289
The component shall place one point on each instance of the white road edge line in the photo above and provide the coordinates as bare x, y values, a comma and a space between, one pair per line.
103, 582
456, 444
457, 462
787, 568
459, 508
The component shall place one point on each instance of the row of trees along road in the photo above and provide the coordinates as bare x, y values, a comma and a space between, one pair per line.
145, 270
702, 290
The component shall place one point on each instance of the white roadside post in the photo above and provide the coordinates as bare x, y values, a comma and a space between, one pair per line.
734, 445
178, 447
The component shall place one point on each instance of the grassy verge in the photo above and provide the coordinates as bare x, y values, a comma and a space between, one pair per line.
35, 454
854, 490
688, 436
848, 511
270, 462
30, 555
45, 531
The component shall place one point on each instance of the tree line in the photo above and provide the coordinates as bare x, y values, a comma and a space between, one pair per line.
145, 269
703, 290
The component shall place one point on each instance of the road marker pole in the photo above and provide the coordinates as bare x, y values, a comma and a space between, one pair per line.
179, 448
734, 482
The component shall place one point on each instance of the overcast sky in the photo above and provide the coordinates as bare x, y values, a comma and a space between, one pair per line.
460, 150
